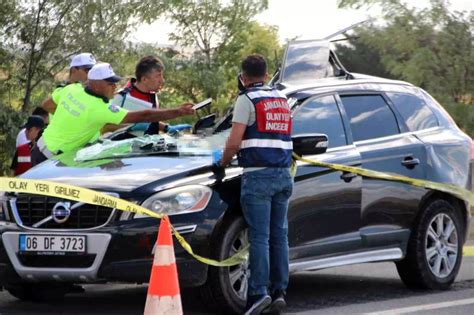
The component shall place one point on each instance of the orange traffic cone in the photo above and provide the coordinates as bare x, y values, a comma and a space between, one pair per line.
163, 290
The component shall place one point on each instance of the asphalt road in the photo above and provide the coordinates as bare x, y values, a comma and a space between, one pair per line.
358, 289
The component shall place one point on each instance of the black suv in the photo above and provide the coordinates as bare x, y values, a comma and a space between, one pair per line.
335, 218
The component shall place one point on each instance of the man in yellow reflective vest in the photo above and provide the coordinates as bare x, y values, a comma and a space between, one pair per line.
82, 111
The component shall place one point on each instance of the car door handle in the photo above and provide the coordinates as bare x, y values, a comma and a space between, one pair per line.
410, 162
347, 176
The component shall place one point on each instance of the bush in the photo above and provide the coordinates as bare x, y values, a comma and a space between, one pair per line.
10, 122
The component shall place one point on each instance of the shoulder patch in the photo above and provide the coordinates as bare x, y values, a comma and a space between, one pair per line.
114, 108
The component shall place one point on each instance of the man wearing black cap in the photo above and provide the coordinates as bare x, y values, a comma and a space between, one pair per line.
83, 111
22, 159
21, 138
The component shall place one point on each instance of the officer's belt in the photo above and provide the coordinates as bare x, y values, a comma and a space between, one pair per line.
44, 149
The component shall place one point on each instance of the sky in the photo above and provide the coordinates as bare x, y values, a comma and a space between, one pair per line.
305, 19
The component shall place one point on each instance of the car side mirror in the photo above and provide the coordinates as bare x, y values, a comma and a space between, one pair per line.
204, 122
310, 143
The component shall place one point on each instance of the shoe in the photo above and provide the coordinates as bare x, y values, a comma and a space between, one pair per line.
257, 303
278, 303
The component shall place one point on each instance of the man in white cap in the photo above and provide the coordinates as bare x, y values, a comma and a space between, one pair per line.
83, 111
78, 69
80, 66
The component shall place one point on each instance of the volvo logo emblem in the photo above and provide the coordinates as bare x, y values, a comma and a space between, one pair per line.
61, 212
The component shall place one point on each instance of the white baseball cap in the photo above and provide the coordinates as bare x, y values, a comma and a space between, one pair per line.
83, 60
103, 71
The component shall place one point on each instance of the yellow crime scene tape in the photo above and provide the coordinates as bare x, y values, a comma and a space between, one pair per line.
454, 190
52, 189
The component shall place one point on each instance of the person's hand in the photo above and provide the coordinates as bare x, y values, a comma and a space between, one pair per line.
219, 170
174, 129
186, 109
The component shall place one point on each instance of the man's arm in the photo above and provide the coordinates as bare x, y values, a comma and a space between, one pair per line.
154, 115
232, 146
49, 105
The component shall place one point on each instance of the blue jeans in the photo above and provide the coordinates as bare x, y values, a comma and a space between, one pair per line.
264, 199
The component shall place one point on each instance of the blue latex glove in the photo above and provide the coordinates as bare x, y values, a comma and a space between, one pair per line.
174, 129
140, 126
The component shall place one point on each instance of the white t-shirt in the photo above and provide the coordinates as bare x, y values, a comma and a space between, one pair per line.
21, 138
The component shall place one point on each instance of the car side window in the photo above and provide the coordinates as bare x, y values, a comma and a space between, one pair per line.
370, 116
320, 115
414, 111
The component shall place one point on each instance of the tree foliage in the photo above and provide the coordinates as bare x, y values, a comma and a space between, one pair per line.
194, 79
46, 33
9, 126
212, 34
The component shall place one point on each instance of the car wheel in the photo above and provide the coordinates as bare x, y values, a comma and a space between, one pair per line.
226, 287
38, 292
434, 251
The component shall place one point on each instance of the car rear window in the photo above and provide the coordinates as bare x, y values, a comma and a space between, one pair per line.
320, 115
370, 116
414, 111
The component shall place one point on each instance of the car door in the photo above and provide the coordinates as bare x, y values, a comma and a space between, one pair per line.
324, 213
386, 145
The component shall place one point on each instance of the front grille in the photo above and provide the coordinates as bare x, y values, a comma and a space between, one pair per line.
31, 209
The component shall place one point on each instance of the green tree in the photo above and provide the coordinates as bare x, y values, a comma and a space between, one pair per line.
252, 38
357, 56
430, 47
207, 30
9, 122
190, 78
47, 33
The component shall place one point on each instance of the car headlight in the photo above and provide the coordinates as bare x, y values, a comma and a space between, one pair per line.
179, 200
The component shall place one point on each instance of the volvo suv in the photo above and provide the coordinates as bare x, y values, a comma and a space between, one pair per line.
335, 218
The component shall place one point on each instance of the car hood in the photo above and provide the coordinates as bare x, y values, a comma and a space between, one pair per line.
117, 174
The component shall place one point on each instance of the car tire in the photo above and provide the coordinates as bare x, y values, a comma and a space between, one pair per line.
225, 290
38, 292
433, 257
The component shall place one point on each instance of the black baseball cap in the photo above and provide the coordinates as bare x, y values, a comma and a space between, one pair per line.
34, 121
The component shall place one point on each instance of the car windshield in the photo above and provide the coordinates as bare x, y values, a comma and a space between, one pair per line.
186, 144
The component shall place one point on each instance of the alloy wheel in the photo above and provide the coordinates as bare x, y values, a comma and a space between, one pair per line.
441, 245
239, 274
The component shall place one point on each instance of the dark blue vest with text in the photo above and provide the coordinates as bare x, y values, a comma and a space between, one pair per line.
267, 143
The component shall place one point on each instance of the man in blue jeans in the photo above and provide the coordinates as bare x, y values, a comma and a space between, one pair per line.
261, 134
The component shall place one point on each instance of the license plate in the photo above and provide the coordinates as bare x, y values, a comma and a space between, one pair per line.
53, 243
